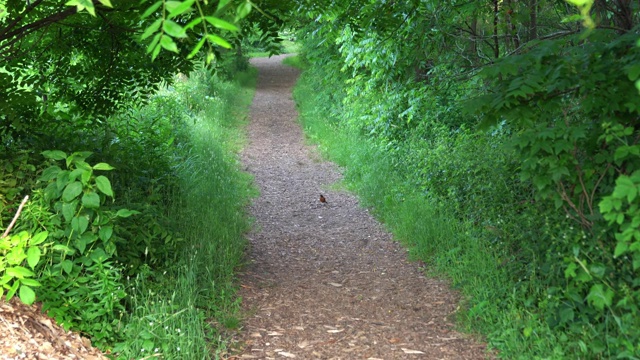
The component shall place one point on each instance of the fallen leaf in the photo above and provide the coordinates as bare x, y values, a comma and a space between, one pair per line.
303, 344
256, 334
408, 351
394, 340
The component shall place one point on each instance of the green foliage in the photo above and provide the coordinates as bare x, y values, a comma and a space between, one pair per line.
15, 251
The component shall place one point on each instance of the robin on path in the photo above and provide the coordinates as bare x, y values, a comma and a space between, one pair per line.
323, 199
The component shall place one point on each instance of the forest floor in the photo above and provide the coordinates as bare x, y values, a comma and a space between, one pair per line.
325, 280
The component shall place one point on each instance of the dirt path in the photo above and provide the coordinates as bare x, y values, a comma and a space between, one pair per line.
326, 281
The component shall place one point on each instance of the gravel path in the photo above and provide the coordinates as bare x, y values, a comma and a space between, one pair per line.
326, 281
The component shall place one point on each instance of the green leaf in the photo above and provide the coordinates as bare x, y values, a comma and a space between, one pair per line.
125, 213
600, 297
180, 9
102, 166
221, 24
19, 272
91, 200
71, 191
69, 210
196, 48
154, 43
218, 40
192, 23
105, 232
151, 9
30, 282
106, 3
33, 256
104, 185
173, 29
27, 295
54, 154
222, 4
39, 238
621, 248
151, 29
63, 248
625, 188
79, 224
50, 173
67, 266
12, 290
243, 10
167, 43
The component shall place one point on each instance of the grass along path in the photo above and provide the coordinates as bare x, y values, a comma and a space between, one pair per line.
326, 280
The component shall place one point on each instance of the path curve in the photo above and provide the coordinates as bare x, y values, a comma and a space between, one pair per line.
325, 281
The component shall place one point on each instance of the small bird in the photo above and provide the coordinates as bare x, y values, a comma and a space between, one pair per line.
323, 199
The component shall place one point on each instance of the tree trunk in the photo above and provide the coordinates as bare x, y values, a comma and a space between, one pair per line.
496, 43
533, 20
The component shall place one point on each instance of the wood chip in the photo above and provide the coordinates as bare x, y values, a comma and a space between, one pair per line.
335, 284
286, 354
408, 351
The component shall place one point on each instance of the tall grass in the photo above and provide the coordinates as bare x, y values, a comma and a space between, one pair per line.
475, 261
183, 312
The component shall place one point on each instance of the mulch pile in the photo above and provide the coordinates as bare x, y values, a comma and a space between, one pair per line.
27, 333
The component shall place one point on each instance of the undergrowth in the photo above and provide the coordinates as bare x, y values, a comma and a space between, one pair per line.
471, 253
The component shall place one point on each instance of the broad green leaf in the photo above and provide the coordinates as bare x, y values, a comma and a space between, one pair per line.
106, 3
50, 173
243, 10
67, 266
16, 256
39, 238
221, 24
180, 9
105, 232
79, 224
621, 248
218, 40
102, 166
19, 272
104, 185
171, 5
173, 29
151, 9
124, 213
30, 282
167, 43
151, 29
54, 154
91, 200
69, 210
27, 295
71, 191
33, 256
63, 248
600, 297
98, 255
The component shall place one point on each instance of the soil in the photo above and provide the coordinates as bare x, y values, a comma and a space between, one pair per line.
325, 280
